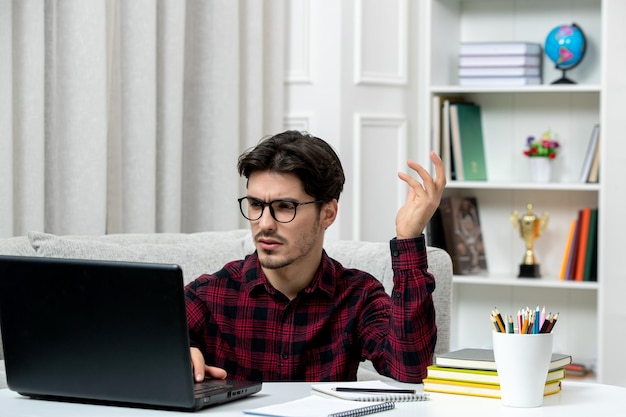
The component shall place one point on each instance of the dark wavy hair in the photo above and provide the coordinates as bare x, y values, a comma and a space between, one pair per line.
309, 158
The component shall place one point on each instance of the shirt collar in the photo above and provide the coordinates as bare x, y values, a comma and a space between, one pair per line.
254, 278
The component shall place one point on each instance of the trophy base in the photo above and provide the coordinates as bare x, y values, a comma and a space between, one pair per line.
529, 271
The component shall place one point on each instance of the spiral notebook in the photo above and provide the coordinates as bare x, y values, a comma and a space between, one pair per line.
316, 406
372, 391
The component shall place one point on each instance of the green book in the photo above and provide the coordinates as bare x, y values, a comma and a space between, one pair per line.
589, 272
467, 141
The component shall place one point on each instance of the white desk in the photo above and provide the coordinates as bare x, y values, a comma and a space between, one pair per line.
576, 399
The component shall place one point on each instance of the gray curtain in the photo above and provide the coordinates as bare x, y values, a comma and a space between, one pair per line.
128, 116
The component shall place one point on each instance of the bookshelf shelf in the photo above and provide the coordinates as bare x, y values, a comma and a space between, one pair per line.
543, 283
508, 185
548, 89
509, 116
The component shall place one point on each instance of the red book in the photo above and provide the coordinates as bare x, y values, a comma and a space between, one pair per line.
570, 271
582, 243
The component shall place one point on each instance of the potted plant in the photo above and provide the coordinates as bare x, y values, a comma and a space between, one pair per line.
541, 152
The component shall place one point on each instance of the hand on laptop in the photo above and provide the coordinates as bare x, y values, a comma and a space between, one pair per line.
202, 370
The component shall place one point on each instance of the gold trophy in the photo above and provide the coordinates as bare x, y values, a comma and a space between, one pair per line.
530, 227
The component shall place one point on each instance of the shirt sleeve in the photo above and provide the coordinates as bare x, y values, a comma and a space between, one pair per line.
196, 313
409, 331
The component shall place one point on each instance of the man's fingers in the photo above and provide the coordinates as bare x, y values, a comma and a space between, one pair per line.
197, 362
440, 169
214, 372
202, 370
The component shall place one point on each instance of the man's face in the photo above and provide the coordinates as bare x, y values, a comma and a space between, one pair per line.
282, 244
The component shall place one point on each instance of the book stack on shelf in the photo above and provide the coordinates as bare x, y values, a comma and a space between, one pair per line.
458, 138
473, 372
500, 64
580, 259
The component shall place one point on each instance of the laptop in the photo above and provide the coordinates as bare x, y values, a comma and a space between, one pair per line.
103, 332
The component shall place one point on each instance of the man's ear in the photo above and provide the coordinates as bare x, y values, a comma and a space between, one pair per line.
328, 213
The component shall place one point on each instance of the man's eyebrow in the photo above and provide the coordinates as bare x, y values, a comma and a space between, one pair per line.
290, 199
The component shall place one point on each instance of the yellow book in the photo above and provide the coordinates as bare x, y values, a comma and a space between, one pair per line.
474, 389
568, 246
479, 376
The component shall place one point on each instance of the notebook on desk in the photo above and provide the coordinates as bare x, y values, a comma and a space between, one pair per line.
103, 332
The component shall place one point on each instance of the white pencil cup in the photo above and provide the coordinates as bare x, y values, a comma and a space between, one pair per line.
522, 361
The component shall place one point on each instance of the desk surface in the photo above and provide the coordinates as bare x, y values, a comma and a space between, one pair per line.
576, 399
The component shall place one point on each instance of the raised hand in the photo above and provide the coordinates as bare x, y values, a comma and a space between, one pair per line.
422, 198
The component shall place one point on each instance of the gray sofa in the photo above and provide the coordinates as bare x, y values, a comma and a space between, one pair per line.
204, 252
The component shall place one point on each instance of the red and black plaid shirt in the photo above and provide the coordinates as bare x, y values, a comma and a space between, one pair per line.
242, 324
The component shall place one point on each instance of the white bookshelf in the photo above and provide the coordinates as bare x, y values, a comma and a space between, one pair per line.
510, 115
508, 281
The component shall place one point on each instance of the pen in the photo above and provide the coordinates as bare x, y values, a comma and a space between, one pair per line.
375, 390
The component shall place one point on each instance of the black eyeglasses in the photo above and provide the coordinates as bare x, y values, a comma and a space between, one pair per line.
283, 211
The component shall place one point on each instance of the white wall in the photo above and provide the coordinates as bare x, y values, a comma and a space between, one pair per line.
350, 81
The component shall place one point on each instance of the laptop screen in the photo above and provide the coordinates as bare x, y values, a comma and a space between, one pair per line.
100, 330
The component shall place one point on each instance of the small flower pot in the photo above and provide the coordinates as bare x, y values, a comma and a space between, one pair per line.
540, 169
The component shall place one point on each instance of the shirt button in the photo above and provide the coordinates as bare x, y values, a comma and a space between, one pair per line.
285, 356
398, 294
395, 253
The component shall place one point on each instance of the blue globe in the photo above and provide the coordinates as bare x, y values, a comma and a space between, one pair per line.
565, 45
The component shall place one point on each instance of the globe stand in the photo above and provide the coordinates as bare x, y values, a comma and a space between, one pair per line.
563, 79
566, 46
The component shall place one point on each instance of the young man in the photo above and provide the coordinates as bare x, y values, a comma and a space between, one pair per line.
289, 312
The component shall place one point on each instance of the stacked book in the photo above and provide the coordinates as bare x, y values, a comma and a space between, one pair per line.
580, 259
473, 372
500, 64
578, 370
458, 137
